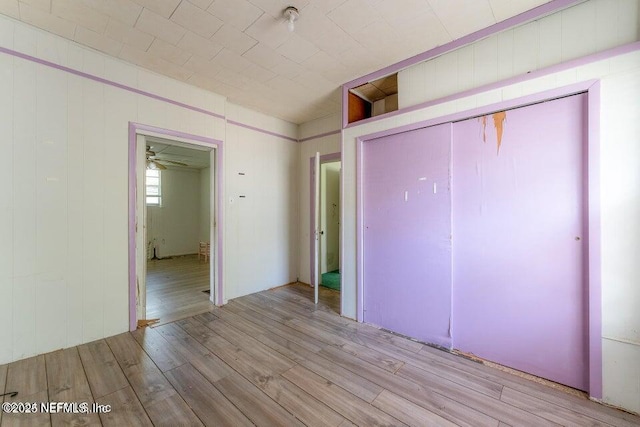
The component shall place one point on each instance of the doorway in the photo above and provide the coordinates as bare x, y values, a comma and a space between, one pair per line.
175, 252
177, 225
325, 222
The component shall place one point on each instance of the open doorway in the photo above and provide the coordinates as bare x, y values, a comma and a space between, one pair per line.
329, 244
177, 225
175, 253
325, 227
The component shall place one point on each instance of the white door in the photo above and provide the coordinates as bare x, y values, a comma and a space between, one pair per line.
316, 227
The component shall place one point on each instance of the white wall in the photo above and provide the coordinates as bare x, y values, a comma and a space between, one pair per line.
204, 219
64, 190
260, 227
583, 29
173, 228
325, 145
330, 217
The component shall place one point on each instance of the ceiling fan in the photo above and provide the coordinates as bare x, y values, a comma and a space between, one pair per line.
154, 163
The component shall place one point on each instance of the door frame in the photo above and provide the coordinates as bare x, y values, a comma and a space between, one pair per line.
217, 229
325, 158
592, 189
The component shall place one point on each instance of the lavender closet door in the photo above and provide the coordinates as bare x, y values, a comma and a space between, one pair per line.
519, 239
407, 228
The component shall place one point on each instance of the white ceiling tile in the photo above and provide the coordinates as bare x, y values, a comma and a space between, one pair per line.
272, 32
503, 9
238, 13
263, 55
206, 82
162, 66
129, 35
287, 68
424, 29
152, 23
10, 8
232, 78
196, 20
199, 45
287, 86
204, 67
229, 59
73, 11
462, 17
398, 14
323, 32
162, 7
353, 15
171, 70
297, 49
326, 6
125, 11
276, 8
258, 73
202, 4
315, 82
378, 34
97, 41
46, 21
339, 75
233, 39
169, 52
322, 62
40, 4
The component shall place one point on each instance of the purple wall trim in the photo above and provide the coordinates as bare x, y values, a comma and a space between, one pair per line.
322, 135
535, 13
326, 158
620, 50
242, 125
134, 130
592, 88
107, 82
134, 90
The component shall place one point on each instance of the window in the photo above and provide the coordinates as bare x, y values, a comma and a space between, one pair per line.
153, 187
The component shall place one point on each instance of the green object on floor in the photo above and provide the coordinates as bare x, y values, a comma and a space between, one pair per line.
331, 279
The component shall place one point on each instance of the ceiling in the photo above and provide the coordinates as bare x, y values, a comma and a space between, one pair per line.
242, 49
378, 89
194, 158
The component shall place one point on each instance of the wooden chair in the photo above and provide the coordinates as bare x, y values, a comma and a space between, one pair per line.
204, 249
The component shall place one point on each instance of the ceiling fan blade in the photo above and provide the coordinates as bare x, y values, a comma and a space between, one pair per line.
175, 163
152, 164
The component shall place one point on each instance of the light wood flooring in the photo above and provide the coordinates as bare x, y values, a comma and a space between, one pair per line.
274, 359
174, 288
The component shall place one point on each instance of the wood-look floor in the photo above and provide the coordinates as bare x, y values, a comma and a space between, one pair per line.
274, 359
174, 288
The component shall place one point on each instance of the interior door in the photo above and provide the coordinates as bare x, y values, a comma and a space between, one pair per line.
407, 233
316, 226
213, 230
519, 239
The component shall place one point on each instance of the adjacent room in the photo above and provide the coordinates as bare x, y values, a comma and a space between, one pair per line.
306, 213
178, 229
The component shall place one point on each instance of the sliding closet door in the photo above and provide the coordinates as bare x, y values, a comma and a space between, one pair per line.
407, 228
520, 241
